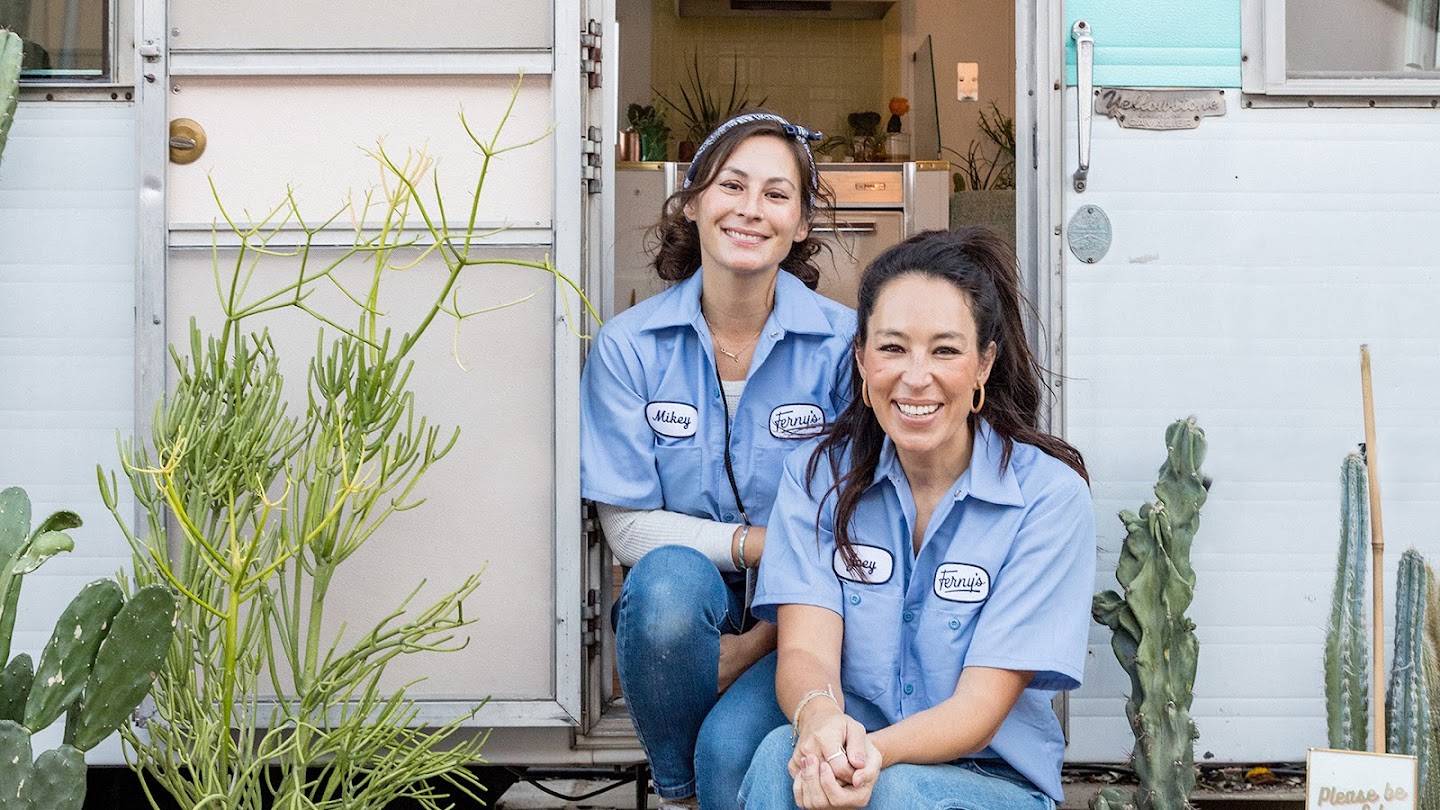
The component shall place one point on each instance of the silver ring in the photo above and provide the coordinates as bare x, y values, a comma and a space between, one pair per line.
833, 756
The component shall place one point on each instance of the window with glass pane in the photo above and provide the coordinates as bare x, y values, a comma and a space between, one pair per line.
1378, 39
64, 39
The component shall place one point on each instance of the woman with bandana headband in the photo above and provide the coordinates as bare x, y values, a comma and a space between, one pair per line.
689, 402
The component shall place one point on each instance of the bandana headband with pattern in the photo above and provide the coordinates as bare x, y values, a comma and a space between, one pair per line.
799, 133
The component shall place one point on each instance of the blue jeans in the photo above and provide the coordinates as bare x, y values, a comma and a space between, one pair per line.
967, 785
672, 609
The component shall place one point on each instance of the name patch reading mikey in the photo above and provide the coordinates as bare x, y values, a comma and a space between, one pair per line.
796, 421
876, 565
962, 582
675, 420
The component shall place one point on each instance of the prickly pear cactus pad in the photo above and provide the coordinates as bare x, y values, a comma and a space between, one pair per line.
1153, 639
125, 665
17, 768
11, 49
67, 659
15, 683
59, 780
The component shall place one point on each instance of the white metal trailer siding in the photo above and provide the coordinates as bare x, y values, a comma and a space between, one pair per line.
67, 248
1252, 256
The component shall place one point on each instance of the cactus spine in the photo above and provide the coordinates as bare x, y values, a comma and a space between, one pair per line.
1413, 700
96, 668
1347, 658
11, 49
1152, 638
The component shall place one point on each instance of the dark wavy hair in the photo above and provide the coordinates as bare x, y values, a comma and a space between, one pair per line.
981, 265
675, 240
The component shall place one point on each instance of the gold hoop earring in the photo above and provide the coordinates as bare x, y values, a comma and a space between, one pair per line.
976, 406
865, 394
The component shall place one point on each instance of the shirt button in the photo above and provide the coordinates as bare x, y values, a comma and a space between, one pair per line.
909, 688
854, 598
954, 624
909, 616
729, 516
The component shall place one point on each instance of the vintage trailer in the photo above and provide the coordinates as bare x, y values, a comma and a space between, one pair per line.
1220, 253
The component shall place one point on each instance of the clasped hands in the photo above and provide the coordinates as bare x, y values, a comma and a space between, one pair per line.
835, 764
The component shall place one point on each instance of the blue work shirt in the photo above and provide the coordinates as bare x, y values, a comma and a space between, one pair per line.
652, 421
1003, 579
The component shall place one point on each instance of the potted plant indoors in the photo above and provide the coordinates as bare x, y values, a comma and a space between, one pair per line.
985, 182
648, 121
701, 108
865, 144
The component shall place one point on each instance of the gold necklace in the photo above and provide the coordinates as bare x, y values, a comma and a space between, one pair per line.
735, 356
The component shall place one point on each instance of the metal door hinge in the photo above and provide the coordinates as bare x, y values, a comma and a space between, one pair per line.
590, 637
590, 56
592, 159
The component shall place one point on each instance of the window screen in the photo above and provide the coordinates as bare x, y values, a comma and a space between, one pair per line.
65, 40
1369, 39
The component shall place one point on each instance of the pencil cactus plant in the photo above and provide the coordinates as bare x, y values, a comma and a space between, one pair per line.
1412, 708
1152, 638
11, 50
1347, 656
96, 668
267, 485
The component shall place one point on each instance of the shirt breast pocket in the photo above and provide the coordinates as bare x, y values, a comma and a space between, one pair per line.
679, 463
870, 652
945, 634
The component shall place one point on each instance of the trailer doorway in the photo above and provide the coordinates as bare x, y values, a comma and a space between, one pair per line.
816, 69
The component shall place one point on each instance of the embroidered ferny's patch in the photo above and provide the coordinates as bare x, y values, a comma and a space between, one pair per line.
675, 420
962, 582
796, 421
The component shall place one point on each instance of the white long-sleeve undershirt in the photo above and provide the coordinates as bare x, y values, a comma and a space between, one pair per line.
632, 533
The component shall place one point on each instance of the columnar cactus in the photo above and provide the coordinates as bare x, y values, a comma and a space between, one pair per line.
1347, 657
1412, 707
1153, 639
11, 49
95, 669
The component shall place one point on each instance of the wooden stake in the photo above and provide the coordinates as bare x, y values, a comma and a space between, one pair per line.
1377, 552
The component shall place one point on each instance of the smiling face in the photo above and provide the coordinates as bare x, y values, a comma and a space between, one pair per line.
922, 364
750, 214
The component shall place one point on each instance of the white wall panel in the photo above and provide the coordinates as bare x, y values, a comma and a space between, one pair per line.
488, 505
1251, 258
67, 276
312, 133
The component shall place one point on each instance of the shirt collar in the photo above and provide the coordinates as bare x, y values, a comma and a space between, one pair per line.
796, 308
982, 479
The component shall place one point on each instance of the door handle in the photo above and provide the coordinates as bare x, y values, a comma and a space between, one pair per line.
845, 227
1084, 92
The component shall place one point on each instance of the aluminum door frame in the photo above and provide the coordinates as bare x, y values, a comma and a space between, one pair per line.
567, 237
1039, 194
1039, 200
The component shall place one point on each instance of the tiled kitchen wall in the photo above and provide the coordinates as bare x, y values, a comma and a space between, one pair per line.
813, 71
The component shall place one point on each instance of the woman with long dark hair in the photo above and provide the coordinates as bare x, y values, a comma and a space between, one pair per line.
690, 401
931, 562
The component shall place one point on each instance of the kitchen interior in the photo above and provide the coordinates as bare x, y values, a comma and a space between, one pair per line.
941, 72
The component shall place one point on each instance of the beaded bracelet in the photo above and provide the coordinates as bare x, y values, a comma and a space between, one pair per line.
806, 698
